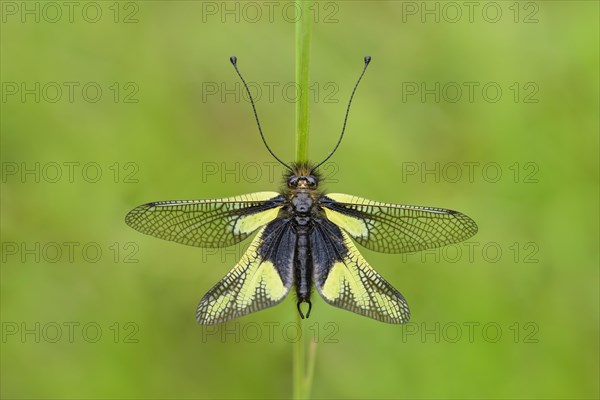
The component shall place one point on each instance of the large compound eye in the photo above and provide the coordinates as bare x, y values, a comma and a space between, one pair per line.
293, 181
312, 181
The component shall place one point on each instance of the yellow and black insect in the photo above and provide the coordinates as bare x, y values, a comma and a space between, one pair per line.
304, 238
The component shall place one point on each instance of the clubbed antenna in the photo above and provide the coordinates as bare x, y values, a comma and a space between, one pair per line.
233, 60
367, 61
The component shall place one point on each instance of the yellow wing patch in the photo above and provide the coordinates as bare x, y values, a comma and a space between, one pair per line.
354, 226
249, 223
341, 279
345, 198
353, 285
260, 277
252, 285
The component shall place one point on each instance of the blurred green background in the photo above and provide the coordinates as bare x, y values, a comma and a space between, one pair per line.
512, 314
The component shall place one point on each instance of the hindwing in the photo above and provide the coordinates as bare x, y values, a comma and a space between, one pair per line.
345, 280
261, 279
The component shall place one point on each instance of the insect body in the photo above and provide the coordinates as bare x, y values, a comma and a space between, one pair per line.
304, 239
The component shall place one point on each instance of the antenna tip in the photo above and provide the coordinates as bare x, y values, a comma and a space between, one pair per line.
367, 60
233, 60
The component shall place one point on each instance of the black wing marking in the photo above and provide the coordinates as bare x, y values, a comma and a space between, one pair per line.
206, 223
345, 280
261, 279
396, 228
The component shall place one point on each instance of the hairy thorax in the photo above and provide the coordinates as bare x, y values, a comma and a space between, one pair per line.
302, 204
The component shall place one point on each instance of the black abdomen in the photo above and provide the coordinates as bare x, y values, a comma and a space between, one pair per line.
302, 205
303, 265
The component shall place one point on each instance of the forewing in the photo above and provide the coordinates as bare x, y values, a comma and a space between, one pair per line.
261, 279
345, 280
206, 223
396, 228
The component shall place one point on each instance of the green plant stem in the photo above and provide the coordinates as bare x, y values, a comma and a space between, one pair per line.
302, 380
310, 368
299, 368
304, 364
303, 37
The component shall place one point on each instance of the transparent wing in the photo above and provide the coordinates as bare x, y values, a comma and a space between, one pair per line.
395, 228
206, 223
345, 280
261, 279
